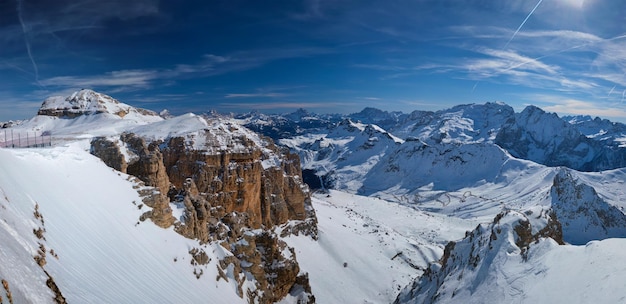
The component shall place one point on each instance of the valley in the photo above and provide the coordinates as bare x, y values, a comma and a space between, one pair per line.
472, 204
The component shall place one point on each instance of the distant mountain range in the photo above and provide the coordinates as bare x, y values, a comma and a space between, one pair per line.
472, 204
580, 143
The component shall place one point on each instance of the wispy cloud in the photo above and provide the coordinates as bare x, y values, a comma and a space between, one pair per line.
209, 65
124, 78
568, 106
21, 107
255, 95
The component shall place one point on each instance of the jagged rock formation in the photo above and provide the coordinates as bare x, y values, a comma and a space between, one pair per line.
585, 216
226, 195
466, 264
546, 139
86, 102
271, 263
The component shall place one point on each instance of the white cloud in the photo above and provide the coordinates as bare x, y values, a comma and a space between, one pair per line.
123, 78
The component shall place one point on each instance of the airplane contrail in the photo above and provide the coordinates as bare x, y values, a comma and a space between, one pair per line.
515, 34
611, 91
474, 88
522, 24
26, 41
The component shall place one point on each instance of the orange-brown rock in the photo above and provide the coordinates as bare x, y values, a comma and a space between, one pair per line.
272, 264
237, 182
109, 152
148, 166
227, 195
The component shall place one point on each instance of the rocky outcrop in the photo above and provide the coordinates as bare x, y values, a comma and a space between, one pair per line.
109, 152
226, 196
272, 264
238, 182
146, 164
465, 264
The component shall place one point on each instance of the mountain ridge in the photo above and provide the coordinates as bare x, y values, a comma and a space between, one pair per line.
439, 206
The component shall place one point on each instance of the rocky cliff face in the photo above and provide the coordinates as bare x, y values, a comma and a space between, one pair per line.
226, 196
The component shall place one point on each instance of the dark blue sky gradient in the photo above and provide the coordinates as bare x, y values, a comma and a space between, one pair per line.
322, 55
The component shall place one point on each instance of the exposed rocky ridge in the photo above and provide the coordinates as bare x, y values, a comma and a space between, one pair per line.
466, 263
585, 216
87, 102
226, 195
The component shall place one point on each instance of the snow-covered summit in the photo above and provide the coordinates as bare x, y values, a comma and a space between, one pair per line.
87, 102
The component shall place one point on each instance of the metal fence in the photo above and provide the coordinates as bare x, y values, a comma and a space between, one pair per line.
34, 139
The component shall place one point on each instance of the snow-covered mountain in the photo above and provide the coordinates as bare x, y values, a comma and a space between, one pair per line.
612, 133
87, 102
472, 204
474, 162
545, 138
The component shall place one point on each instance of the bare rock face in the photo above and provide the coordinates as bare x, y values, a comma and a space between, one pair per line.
148, 166
235, 197
230, 180
109, 152
272, 264
238, 182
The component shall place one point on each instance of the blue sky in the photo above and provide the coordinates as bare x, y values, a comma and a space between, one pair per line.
566, 56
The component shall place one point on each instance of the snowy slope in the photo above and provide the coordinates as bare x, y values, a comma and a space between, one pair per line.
460, 124
547, 139
88, 102
345, 154
369, 248
495, 263
105, 255
405, 192
611, 133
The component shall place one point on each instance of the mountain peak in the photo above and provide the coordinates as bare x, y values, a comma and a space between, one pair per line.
87, 102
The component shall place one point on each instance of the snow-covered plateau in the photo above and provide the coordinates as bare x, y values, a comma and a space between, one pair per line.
473, 204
